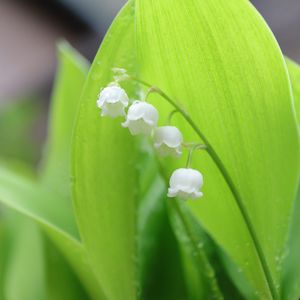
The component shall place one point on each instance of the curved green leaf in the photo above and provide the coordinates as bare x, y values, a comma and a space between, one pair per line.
222, 64
105, 172
71, 74
45, 202
29, 198
52, 213
294, 72
291, 267
25, 276
62, 283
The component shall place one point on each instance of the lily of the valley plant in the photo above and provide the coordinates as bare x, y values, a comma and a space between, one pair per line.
142, 118
197, 102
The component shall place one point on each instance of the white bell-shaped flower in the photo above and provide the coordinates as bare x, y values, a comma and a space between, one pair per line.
112, 101
186, 184
142, 118
168, 140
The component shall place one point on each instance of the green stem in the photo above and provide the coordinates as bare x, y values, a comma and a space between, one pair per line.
213, 154
150, 90
172, 113
190, 156
208, 271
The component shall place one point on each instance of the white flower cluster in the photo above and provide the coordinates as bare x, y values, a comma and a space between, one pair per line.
142, 118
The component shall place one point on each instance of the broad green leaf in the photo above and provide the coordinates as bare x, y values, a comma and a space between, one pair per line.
236, 281
291, 267
105, 172
294, 72
25, 270
219, 61
100, 209
71, 75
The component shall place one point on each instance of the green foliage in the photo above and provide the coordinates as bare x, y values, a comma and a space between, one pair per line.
4, 248
62, 282
71, 75
291, 267
294, 72
105, 175
202, 51
45, 202
17, 121
26, 263
199, 274
291, 270
103, 226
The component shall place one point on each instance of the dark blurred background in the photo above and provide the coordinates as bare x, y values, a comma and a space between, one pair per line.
29, 30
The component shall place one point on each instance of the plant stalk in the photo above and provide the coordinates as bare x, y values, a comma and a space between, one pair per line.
201, 255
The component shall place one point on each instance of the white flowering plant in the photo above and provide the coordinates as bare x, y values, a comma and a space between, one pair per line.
171, 167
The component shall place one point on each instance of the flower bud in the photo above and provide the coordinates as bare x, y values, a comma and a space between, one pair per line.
185, 184
112, 101
142, 117
167, 141
120, 74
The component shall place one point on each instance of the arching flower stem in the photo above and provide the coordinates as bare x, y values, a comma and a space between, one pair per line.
192, 148
196, 145
217, 160
150, 90
172, 113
